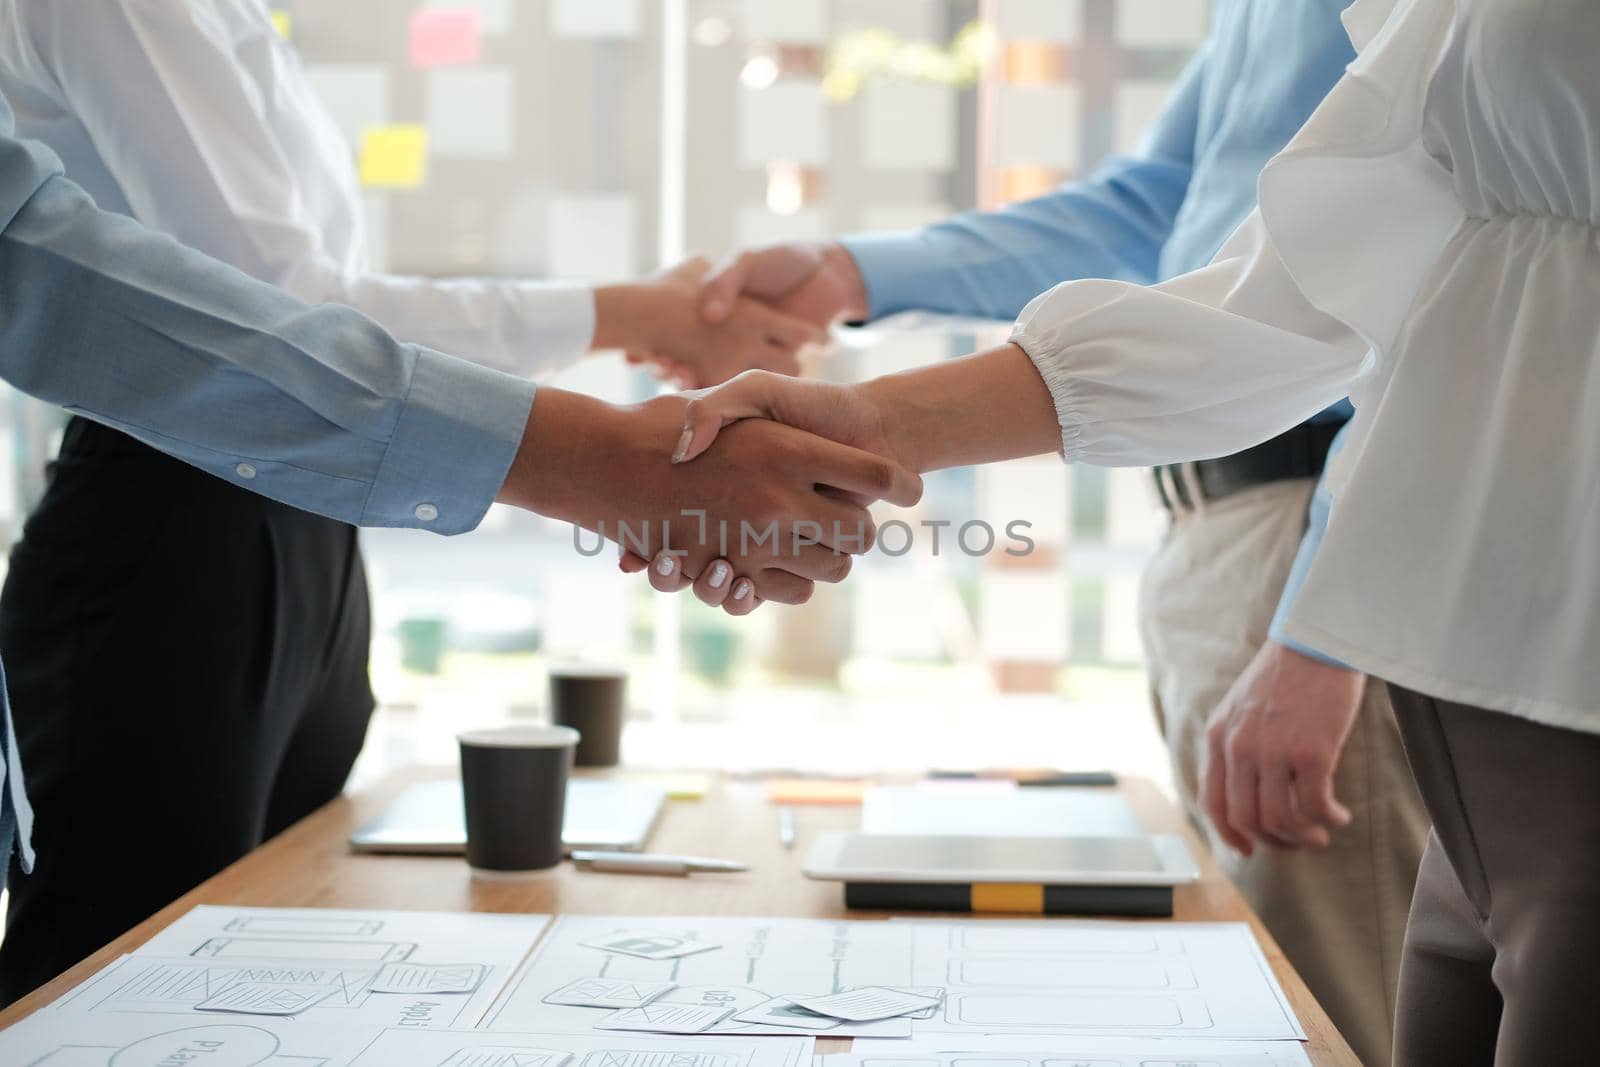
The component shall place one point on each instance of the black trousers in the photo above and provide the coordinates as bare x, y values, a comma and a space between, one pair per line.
188, 670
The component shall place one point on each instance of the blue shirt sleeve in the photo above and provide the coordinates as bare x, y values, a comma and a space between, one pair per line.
315, 406
1316, 526
991, 263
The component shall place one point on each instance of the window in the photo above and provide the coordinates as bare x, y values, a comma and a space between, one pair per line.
597, 139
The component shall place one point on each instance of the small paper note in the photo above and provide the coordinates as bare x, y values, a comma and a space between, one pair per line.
680, 785
608, 993
442, 37
283, 22
394, 157
867, 1004
595, 19
429, 978
783, 1011
264, 998
662, 1018
931, 992
815, 791
649, 945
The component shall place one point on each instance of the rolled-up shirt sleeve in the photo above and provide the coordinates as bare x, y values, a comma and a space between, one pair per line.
316, 406
1204, 365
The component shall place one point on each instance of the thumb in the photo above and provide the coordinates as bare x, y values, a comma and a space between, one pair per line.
745, 397
721, 290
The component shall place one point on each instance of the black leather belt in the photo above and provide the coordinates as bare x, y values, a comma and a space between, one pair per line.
1300, 453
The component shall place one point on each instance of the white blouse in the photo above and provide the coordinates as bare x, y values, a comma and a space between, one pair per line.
1429, 243
195, 117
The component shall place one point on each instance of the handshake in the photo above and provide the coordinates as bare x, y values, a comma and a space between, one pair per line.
751, 491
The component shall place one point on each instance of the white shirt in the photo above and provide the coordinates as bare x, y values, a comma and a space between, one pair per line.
195, 117
1430, 243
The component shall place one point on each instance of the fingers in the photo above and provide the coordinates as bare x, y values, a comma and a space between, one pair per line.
1243, 786
1314, 797
816, 563
742, 600
667, 573
631, 562
1215, 788
784, 331
855, 471
1280, 821
782, 587
715, 584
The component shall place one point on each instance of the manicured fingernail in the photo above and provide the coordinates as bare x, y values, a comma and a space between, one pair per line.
683, 445
742, 589
665, 565
719, 574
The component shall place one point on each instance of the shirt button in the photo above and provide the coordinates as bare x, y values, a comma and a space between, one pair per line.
426, 512
244, 470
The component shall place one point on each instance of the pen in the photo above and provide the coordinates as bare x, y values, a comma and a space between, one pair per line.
645, 863
786, 827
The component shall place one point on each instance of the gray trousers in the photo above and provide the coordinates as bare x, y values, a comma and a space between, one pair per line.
1501, 964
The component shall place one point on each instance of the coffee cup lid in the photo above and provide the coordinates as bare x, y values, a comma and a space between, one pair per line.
527, 736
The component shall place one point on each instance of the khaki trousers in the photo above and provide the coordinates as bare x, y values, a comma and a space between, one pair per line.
1207, 602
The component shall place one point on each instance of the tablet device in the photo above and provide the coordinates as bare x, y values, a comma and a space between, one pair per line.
428, 818
1117, 861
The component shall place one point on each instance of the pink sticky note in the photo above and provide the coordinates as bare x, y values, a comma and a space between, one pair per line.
445, 36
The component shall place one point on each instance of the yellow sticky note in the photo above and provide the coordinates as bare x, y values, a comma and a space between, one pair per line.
283, 22
394, 157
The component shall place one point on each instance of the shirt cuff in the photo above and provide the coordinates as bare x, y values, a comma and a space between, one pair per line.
889, 264
451, 448
1316, 526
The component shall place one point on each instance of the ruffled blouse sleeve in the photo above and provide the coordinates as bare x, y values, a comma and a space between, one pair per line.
1303, 302
1204, 365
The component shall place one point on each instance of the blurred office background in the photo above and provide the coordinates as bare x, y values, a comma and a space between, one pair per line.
599, 139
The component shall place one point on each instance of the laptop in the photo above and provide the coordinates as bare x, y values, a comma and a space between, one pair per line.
428, 819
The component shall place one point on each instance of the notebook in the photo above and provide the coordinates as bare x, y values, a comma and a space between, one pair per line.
429, 819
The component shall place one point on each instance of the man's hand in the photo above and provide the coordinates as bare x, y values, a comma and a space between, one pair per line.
1273, 745
783, 507
814, 281
658, 322
846, 413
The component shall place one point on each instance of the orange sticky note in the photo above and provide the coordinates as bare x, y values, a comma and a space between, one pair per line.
394, 157
815, 791
445, 36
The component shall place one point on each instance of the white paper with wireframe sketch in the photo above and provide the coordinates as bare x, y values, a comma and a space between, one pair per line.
1069, 978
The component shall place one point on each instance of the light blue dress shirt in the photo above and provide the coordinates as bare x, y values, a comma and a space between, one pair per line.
315, 406
1161, 212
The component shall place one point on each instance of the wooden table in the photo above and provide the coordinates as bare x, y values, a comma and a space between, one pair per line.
310, 865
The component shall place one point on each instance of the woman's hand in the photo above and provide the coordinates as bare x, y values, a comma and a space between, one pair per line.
848, 414
843, 413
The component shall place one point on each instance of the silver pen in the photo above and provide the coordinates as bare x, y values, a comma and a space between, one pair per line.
646, 863
786, 827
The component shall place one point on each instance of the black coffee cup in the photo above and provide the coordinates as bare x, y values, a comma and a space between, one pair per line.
514, 789
593, 701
